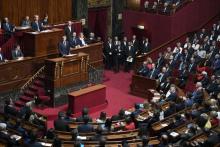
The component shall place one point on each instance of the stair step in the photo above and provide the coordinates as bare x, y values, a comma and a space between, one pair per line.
39, 83
20, 103
29, 93
26, 98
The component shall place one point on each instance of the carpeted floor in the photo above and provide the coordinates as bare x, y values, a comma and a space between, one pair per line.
117, 95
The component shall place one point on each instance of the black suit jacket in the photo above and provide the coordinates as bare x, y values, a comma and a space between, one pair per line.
85, 128
61, 125
68, 32
35, 26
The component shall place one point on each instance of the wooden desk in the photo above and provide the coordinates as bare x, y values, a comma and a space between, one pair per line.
14, 73
88, 97
41, 43
140, 86
95, 52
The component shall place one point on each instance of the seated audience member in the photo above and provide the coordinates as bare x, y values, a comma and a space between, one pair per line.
2, 59
170, 110
45, 21
163, 76
8, 27
120, 116
171, 95
168, 53
143, 70
107, 127
197, 95
212, 141
57, 142
160, 61
164, 140
102, 142
68, 30
85, 113
102, 118
64, 47
129, 124
68, 117
73, 40
137, 110
216, 65
17, 53
85, 127
166, 86
183, 77
5, 136
26, 22
192, 66
98, 134
33, 141
9, 109
91, 38
81, 40
36, 25
153, 74
60, 124
50, 134
213, 87
214, 120
204, 79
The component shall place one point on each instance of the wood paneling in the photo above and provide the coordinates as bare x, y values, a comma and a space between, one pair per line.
57, 10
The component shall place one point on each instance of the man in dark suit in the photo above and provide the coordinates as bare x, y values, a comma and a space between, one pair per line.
118, 56
143, 70
197, 95
108, 52
216, 65
130, 55
60, 124
45, 21
160, 61
36, 25
73, 40
135, 44
2, 59
64, 47
153, 74
26, 22
68, 30
17, 53
85, 128
8, 27
171, 94
192, 66
162, 76
91, 39
81, 41
145, 46
85, 113
124, 45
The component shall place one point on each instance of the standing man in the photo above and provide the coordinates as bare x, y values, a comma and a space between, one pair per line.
8, 27
68, 30
64, 47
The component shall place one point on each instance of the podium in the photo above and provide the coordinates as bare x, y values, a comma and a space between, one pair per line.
90, 97
41, 43
65, 71
140, 86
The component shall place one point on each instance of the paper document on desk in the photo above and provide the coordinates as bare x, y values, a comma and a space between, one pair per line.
174, 134
164, 125
46, 144
16, 137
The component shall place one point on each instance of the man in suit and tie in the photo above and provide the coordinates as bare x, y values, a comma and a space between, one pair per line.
130, 54
68, 30
8, 27
108, 52
73, 40
153, 74
91, 39
36, 25
192, 66
60, 124
2, 59
26, 22
160, 61
162, 76
124, 45
81, 41
145, 46
135, 44
17, 53
85, 127
143, 70
64, 47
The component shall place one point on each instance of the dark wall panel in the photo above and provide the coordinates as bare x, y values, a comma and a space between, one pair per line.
58, 10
